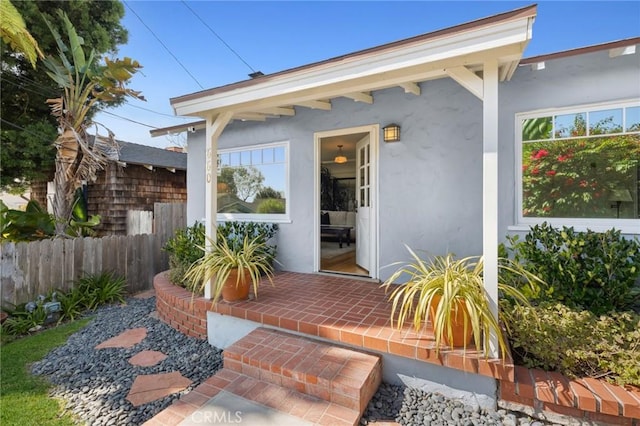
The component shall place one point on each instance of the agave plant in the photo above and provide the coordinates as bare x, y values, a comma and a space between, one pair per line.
452, 291
87, 82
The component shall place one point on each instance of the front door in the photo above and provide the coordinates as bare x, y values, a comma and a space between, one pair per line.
363, 202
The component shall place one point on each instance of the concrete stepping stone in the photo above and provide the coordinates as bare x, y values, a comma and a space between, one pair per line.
147, 358
150, 387
126, 339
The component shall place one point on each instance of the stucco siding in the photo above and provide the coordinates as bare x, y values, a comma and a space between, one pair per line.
430, 183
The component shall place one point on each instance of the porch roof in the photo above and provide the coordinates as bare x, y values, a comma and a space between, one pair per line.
457, 52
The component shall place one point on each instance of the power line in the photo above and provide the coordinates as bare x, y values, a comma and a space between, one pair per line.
163, 45
16, 126
103, 111
159, 113
218, 36
128, 119
29, 88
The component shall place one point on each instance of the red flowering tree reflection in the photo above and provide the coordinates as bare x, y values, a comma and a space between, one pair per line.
576, 177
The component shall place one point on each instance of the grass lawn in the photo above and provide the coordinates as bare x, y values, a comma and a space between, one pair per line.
24, 398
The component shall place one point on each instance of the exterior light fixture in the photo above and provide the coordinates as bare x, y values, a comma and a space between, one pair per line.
391, 133
340, 158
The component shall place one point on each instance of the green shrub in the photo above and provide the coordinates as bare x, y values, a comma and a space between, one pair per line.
22, 320
27, 316
71, 305
184, 248
589, 270
99, 289
89, 292
32, 224
576, 343
187, 245
235, 233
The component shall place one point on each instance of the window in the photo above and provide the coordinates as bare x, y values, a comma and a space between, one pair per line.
580, 164
253, 182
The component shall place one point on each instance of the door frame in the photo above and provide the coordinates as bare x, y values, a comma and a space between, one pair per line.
374, 132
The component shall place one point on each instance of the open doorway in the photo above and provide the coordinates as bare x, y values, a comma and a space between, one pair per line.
346, 226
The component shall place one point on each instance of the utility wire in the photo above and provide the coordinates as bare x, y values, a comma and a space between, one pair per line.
38, 135
99, 111
163, 45
128, 119
27, 87
217, 35
159, 113
30, 86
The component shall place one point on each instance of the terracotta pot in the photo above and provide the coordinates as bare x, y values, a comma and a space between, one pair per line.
234, 291
460, 339
222, 187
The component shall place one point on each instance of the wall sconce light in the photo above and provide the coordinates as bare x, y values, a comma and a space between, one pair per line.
391, 133
619, 196
340, 158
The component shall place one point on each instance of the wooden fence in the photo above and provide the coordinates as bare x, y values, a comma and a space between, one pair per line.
30, 269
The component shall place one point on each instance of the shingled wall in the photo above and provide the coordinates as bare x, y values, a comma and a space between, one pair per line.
120, 189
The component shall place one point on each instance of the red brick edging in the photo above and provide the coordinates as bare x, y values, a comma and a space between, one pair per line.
586, 399
178, 308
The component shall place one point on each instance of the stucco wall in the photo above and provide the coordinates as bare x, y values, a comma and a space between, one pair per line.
430, 183
565, 82
429, 186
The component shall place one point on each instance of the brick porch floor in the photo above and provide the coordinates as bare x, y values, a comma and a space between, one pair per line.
345, 310
356, 313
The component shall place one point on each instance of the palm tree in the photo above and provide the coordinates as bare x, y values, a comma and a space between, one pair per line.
14, 32
87, 84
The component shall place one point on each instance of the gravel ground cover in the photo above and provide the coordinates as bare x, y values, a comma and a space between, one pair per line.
94, 383
409, 406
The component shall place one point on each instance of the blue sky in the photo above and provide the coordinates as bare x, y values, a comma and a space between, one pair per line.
273, 36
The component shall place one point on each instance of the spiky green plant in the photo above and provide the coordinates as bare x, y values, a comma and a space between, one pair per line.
216, 265
458, 283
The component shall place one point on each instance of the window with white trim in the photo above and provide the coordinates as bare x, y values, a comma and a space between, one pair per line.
580, 163
253, 182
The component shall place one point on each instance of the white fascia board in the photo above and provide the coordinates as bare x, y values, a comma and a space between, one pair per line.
376, 63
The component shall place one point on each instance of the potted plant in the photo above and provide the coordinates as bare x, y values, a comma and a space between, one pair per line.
451, 292
233, 268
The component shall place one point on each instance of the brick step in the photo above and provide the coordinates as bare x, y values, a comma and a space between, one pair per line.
313, 410
335, 374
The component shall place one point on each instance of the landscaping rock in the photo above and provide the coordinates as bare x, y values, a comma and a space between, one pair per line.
408, 406
94, 383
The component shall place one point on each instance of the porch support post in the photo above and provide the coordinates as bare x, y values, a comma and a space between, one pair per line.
214, 127
490, 190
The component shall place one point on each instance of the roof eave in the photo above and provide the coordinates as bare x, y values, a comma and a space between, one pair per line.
430, 53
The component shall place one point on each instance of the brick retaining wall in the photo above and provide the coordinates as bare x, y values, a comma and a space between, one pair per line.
178, 308
587, 399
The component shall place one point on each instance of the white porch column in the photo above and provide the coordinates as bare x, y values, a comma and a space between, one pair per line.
490, 189
213, 130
